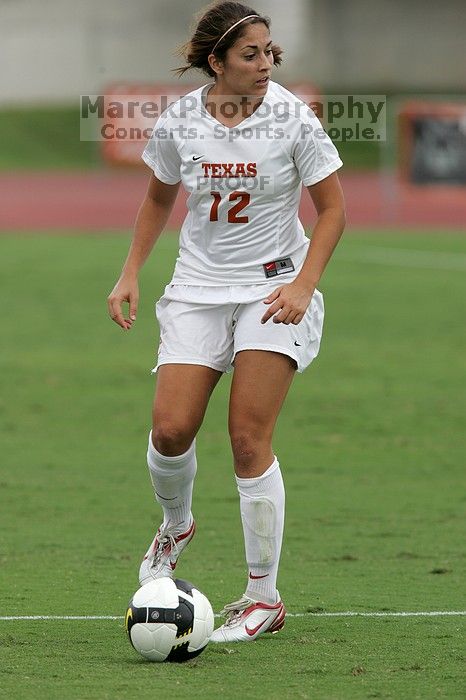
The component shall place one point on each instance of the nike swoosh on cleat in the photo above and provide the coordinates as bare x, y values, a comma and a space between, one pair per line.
255, 577
255, 629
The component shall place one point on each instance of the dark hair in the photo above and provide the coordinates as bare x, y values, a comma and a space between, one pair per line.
214, 21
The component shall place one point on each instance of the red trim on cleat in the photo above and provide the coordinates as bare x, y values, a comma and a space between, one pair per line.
255, 629
262, 617
179, 538
161, 558
279, 622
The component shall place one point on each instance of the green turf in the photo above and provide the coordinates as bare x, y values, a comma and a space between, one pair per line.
48, 138
44, 138
371, 446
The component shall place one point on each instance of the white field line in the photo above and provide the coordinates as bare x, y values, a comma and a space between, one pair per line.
402, 257
347, 613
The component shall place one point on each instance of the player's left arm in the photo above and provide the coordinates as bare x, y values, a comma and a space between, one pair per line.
288, 303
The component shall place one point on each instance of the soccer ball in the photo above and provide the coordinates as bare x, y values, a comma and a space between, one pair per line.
169, 620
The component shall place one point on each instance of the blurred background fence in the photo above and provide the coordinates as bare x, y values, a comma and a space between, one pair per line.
57, 49
54, 51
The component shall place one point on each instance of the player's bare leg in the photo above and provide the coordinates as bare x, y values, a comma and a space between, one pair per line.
260, 383
181, 398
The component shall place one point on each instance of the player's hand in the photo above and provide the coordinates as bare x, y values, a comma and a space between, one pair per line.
125, 290
288, 303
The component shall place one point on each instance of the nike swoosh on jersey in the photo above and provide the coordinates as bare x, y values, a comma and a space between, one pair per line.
197, 157
297, 344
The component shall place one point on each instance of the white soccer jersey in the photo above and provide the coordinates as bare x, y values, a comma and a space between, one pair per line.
244, 185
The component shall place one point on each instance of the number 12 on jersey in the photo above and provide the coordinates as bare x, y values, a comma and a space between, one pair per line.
233, 218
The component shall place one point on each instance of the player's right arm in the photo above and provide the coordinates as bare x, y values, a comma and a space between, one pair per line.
150, 222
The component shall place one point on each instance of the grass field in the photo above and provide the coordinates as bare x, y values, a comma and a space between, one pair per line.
371, 443
44, 138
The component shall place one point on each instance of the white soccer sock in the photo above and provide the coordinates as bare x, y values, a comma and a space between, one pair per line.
262, 503
173, 479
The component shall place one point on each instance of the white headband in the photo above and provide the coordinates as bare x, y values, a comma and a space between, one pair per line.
232, 27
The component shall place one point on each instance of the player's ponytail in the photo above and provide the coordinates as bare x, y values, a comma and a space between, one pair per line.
215, 33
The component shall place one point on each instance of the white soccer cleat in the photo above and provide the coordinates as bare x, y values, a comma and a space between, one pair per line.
247, 619
163, 553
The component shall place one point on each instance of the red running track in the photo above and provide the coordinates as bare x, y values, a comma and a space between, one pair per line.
109, 200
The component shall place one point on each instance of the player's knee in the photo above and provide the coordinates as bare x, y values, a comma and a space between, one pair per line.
246, 448
171, 438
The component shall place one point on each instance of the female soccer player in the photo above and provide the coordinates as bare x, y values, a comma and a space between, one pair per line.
243, 292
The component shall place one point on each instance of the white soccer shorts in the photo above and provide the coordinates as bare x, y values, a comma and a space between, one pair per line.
211, 334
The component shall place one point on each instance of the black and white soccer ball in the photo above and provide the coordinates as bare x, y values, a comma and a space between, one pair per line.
169, 620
